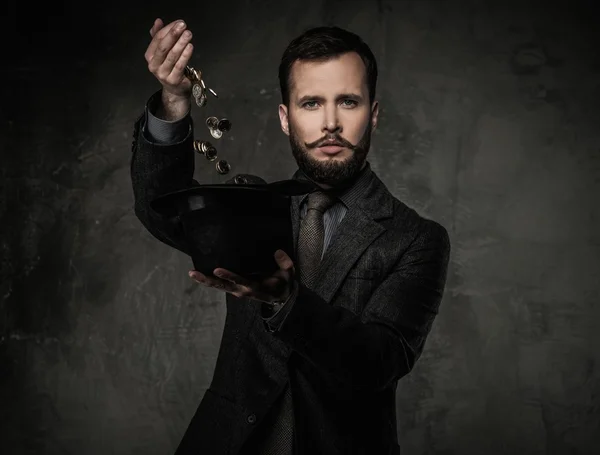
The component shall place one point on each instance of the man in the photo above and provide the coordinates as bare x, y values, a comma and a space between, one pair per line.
310, 367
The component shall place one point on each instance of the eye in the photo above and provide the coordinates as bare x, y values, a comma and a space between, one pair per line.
306, 104
352, 102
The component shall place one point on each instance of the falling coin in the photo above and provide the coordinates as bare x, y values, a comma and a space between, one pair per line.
202, 100
223, 167
224, 125
211, 154
197, 91
205, 148
212, 122
209, 89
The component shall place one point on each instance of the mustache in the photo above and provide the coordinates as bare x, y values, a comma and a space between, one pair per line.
331, 140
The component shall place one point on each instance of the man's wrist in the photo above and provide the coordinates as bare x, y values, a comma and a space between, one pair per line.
173, 107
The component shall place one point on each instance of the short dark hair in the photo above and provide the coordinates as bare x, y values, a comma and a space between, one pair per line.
321, 44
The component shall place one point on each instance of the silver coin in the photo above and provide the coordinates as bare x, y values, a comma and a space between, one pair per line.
205, 145
223, 167
224, 125
211, 153
197, 91
212, 122
216, 133
201, 101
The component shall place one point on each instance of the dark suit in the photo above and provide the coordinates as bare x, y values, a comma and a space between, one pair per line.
343, 345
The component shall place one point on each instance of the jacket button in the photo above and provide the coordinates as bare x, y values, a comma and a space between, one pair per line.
251, 418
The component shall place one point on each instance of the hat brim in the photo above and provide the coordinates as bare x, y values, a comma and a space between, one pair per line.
227, 195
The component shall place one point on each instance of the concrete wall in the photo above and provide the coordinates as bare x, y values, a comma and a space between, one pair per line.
490, 124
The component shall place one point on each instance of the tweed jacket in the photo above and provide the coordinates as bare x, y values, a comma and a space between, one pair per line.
343, 346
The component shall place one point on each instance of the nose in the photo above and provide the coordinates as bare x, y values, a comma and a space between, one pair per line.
331, 122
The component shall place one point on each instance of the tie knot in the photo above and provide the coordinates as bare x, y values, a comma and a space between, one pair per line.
320, 201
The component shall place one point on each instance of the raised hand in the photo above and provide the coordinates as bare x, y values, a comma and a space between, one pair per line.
167, 56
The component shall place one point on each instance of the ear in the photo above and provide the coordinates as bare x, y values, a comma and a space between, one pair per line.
284, 119
374, 114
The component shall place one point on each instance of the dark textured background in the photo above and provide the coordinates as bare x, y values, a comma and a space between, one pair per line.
490, 124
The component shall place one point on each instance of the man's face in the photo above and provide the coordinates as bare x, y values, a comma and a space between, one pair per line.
329, 103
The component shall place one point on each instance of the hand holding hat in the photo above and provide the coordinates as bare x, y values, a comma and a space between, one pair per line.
273, 289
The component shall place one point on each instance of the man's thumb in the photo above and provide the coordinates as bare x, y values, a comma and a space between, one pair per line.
283, 260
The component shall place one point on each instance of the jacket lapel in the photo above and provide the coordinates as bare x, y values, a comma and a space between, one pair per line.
356, 232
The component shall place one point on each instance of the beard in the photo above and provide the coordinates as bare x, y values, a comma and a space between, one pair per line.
331, 172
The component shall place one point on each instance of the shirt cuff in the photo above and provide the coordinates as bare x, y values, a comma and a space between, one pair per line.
273, 319
163, 131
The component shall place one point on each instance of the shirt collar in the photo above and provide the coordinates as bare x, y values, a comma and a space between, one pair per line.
352, 190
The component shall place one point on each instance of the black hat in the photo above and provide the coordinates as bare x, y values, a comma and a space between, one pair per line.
236, 226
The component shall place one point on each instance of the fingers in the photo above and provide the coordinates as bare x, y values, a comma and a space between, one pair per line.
171, 53
162, 42
213, 282
158, 24
181, 40
283, 260
240, 287
230, 276
157, 32
182, 58
274, 283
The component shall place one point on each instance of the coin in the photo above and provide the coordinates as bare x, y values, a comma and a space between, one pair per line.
212, 122
223, 167
202, 100
224, 125
211, 153
197, 91
216, 133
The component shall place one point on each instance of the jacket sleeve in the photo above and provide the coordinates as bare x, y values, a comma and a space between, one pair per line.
163, 161
164, 131
158, 168
373, 349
